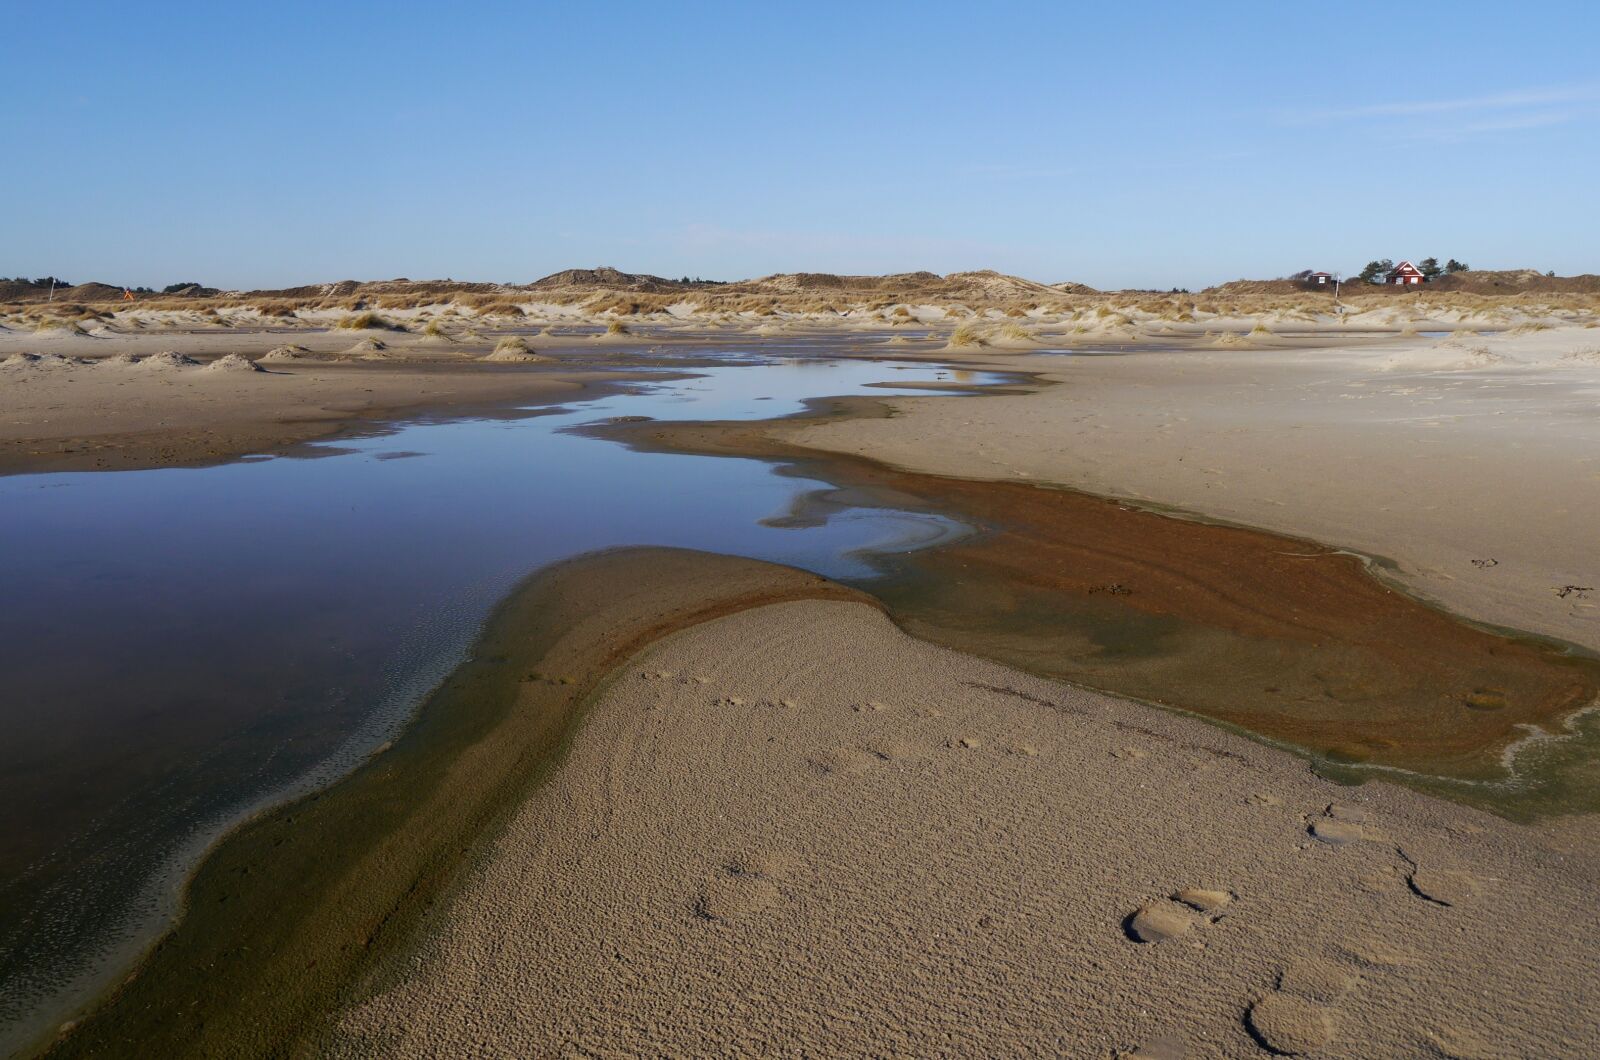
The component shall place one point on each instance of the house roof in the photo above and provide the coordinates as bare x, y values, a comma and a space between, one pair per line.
1404, 266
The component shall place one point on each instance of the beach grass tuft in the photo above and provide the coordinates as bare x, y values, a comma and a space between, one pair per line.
967, 335
367, 321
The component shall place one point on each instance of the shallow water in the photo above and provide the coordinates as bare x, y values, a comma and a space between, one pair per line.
184, 645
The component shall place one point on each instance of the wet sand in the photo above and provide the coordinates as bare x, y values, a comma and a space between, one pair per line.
1280, 636
305, 905
797, 830
714, 865
104, 416
1472, 461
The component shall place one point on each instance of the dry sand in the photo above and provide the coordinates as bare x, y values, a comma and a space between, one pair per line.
798, 831
1473, 462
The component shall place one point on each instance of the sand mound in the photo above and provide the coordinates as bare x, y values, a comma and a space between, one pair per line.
279, 354
40, 362
167, 360
1438, 359
233, 362
369, 349
514, 349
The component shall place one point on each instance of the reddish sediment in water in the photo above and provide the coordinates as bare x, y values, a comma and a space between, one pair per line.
1286, 638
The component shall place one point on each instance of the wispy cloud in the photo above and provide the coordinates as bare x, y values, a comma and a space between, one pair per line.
1521, 99
1462, 117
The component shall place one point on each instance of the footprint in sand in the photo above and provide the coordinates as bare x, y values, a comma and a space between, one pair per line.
1161, 1047
1261, 798
892, 750
739, 889
1026, 750
871, 706
1130, 754
1441, 886
1300, 1015
1175, 916
1378, 953
841, 761
1290, 1025
729, 701
966, 743
1342, 825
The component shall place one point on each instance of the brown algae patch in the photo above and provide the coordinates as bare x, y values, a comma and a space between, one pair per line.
1278, 636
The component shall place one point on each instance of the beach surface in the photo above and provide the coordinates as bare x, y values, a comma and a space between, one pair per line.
82, 403
792, 827
1472, 462
796, 829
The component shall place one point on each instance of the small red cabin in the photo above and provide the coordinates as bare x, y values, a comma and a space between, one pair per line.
1320, 279
1405, 274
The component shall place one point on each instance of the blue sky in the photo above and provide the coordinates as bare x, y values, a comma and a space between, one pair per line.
1120, 145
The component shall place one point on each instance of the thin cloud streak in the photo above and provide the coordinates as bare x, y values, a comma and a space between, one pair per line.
1525, 98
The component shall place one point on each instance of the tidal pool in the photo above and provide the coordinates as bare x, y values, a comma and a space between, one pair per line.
179, 647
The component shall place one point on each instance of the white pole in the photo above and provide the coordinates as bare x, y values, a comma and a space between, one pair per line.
52, 297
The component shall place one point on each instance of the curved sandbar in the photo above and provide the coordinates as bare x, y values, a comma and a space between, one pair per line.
796, 830
300, 907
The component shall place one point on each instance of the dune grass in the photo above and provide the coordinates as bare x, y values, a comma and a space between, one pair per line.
968, 336
367, 321
617, 327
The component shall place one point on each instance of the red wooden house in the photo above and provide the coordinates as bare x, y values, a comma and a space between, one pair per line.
1405, 274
